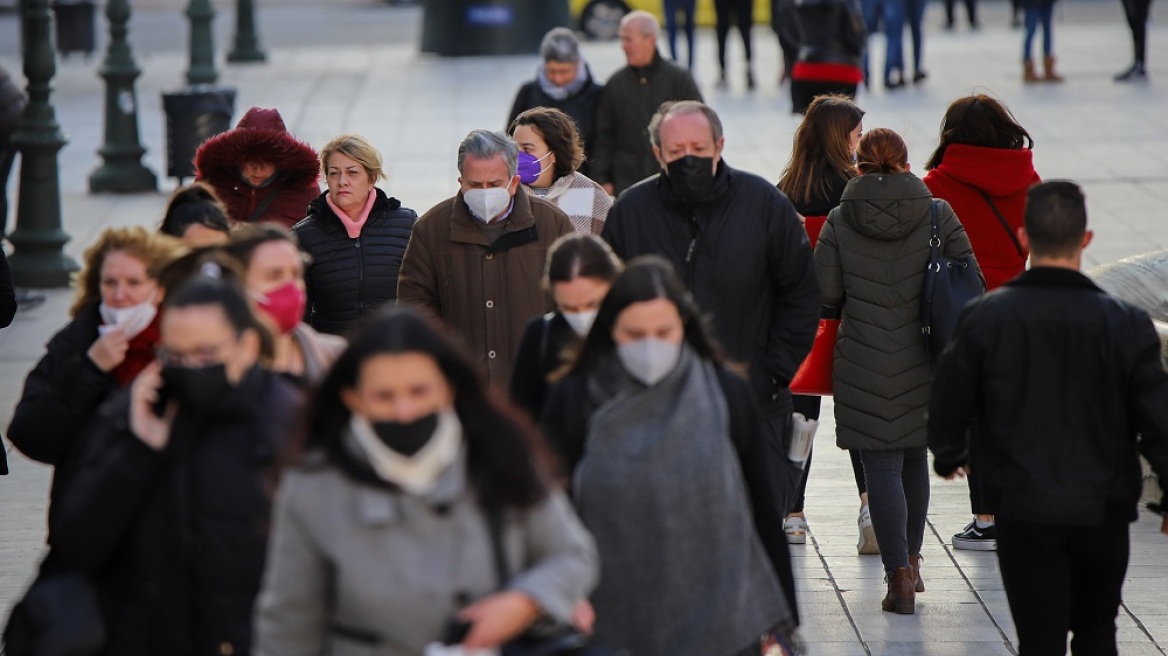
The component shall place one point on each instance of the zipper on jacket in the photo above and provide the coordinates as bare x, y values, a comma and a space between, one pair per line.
360, 278
691, 252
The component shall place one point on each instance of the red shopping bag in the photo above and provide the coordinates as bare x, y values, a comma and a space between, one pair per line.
813, 377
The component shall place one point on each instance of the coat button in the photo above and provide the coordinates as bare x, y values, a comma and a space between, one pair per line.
491, 354
490, 256
490, 304
226, 649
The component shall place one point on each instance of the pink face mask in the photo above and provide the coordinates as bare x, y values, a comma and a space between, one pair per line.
285, 305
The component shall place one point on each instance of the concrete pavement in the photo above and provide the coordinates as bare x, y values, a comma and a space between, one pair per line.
354, 66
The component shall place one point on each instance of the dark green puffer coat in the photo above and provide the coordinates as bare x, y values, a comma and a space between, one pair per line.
871, 258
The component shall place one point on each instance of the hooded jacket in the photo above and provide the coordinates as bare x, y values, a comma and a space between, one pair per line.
631, 96
350, 278
871, 260
260, 137
1005, 175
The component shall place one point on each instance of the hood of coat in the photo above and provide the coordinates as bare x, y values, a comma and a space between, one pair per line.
885, 206
259, 137
996, 171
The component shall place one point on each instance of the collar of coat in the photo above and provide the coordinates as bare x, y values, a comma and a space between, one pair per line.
520, 228
652, 67
1048, 276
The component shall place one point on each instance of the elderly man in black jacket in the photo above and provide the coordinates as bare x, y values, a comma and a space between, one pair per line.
739, 246
630, 97
1051, 388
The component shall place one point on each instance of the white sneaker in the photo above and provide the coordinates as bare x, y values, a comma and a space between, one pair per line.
867, 545
796, 530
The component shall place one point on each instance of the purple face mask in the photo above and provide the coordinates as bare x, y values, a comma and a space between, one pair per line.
529, 169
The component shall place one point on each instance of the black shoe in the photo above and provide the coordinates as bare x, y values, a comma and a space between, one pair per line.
919, 77
1137, 73
750, 80
973, 538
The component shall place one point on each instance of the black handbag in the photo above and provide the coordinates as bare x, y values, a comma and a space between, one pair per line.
58, 616
950, 283
544, 637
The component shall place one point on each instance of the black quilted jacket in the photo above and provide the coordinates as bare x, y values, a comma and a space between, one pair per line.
347, 278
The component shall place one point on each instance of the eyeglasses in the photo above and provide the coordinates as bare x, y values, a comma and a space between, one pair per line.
202, 356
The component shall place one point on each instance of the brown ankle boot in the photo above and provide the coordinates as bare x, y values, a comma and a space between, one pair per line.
901, 598
914, 563
1048, 69
1028, 74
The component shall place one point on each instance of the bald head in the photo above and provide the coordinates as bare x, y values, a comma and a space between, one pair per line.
638, 34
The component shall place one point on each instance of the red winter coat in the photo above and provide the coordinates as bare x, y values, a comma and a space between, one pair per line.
1005, 175
260, 137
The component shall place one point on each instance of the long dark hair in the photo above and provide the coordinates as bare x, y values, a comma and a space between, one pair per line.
580, 256
195, 203
822, 149
979, 120
507, 460
646, 278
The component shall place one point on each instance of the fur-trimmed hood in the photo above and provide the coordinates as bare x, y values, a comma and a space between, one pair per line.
260, 137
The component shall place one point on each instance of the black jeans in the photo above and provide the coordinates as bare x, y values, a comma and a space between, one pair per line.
898, 500
1063, 578
970, 9
1136, 12
743, 11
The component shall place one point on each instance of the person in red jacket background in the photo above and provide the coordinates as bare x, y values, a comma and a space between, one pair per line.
983, 167
260, 171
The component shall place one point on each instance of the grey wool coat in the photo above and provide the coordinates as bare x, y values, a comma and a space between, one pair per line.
355, 570
871, 260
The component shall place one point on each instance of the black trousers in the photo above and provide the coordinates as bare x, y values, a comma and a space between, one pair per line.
725, 10
970, 10
1060, 579
1137, 20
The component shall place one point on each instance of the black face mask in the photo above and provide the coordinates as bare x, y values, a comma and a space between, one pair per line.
406, 438
691, 177
196, 387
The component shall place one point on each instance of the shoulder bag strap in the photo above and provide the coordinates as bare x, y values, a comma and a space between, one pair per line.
498, 552
1005, 224
266, 202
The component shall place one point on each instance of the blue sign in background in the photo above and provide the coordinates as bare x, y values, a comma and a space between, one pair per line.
489, 15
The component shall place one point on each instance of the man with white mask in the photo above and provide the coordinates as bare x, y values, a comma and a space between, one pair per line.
476, 260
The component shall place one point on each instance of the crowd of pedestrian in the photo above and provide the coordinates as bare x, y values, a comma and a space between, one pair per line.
295, 421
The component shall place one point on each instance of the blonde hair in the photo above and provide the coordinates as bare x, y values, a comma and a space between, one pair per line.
356, 148
154, 250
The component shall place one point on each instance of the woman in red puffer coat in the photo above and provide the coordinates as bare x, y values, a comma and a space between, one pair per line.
984, 163
983, 167
260, 171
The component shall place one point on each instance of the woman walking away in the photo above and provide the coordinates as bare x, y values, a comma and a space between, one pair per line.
822, 162
355, 235
870, 260
1039, 12
983, 167
259, 170
580, 269
169, 514
196, 216
385, 537
666, 454
273, 274
550, 155
832, 41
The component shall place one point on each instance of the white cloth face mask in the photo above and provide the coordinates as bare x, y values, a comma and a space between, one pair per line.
649, 360
581, 322
486, 204
131, 320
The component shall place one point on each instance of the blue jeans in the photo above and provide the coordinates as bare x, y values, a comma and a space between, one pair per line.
894, 16
872, 10
671, 9
916, 18
898, 500
1035, 14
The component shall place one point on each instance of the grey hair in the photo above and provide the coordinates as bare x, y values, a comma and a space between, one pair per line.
485, 144
560, 45
643, 21
683, 108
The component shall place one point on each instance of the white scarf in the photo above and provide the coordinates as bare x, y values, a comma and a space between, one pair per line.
419, 473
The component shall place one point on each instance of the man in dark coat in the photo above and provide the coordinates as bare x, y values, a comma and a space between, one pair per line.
563, 82
1051, 388
632, 95
739, 246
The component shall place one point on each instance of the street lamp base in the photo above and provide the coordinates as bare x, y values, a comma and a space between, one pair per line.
37, 260
123, 178
246, 55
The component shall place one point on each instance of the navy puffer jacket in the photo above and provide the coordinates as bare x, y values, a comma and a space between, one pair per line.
348, 278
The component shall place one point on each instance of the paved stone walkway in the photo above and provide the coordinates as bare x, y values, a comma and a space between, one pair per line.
353, 65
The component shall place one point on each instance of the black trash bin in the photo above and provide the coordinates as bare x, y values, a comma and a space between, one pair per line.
489, 27
194, 115
76, 26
